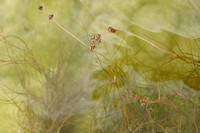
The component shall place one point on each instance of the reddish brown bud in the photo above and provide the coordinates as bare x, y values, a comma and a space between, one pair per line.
40, 7
110, 29
50, 17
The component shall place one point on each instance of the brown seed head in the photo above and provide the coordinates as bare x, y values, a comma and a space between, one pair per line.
98, 36
92, 38
110, 29
40, 7
50, 17
92, 47
93, 44
98, 41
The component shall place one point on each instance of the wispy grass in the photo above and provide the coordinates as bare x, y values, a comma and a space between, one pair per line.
46, 98
132, 93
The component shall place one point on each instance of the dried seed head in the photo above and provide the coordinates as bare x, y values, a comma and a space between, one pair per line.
92, 47
98, 41
50, 17
98, 38
92, 38
93, 44
40, 7
110, 29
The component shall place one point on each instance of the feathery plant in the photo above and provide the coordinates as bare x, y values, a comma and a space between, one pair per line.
130, 93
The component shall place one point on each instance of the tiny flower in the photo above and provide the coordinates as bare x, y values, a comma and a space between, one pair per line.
40, 7
98, 38
110, 29
92, 38
50, 17
92, 47
93, 44
98, 41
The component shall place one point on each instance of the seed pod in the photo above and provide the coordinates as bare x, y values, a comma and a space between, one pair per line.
50, 17
110, 29
40, 7
92, 47
98, 38
98, 41
93, 44
92, 38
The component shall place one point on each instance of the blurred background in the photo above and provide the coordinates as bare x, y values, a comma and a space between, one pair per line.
50, 82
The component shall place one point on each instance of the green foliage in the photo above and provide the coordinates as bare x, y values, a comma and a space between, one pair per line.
56, 85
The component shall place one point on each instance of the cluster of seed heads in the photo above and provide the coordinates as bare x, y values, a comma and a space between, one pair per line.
94, 39
50, 16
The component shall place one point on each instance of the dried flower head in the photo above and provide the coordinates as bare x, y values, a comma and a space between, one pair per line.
92, 47
110, 29
98, 38
51, 17
40, 7
92, 39
98, 41
93, 44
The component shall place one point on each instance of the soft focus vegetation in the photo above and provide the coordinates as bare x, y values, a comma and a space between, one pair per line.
51, 83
